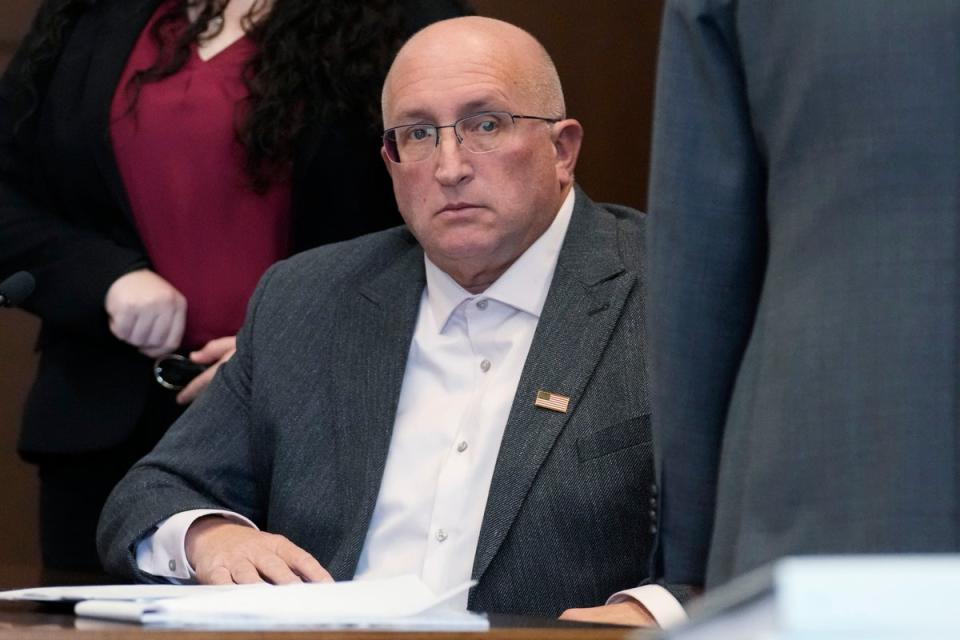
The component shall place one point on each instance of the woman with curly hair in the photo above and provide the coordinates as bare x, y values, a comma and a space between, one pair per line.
156, 156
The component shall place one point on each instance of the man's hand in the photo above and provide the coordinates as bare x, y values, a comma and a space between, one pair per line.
214, 353
147, 312
223, 551
630, 613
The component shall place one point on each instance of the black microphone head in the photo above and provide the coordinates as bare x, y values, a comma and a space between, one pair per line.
16, 288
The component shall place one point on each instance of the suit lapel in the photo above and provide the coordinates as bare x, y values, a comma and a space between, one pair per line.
586, 297
383, 315
121, 26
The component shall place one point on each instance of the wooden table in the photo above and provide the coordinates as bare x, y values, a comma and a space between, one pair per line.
29, 621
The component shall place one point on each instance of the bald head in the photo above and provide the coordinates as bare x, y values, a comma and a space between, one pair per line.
476, 210
481, 46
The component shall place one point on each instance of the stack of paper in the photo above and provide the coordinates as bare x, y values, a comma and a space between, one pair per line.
116, 592
859, 597
394, 603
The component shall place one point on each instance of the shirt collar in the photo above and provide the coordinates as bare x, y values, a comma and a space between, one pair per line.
524, 285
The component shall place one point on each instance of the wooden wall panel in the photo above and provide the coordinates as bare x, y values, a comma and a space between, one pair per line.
605, 52
15, 16
18, 487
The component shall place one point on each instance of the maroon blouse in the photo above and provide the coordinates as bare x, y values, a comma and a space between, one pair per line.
205, 230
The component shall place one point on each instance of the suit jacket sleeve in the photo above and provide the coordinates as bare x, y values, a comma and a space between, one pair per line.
207, 460
707, 249
74, 266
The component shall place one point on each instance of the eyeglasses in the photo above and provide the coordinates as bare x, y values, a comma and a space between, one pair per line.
478, 133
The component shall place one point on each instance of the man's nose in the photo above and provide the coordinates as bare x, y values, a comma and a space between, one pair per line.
453, 166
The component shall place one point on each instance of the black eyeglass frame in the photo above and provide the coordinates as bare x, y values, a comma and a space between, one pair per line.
390, 137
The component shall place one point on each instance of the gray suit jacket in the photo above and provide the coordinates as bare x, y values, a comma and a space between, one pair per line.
294, 430
804, 247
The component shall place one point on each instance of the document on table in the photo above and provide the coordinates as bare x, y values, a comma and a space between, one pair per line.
855, 597
402, 603
119, 592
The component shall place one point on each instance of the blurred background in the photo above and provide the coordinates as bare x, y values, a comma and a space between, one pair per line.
606, 55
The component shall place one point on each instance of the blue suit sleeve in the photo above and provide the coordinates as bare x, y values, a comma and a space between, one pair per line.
707, 249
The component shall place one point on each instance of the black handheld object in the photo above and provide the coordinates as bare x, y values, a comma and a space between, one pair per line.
16, 289
174, 371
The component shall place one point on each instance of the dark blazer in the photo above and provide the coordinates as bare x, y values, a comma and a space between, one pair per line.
65, 217
805, 270
294, 432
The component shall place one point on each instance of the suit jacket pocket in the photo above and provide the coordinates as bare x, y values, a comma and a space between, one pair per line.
629, 433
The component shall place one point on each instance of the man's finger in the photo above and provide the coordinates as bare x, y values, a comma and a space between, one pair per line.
244, 572
303, 564
275, 570
214, 350
218, 575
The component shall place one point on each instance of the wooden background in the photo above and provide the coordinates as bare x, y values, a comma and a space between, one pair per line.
605, 51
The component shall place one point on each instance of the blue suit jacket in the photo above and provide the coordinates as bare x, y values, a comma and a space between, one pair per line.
805, 280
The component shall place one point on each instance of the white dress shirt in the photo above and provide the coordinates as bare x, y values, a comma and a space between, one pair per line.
465, 361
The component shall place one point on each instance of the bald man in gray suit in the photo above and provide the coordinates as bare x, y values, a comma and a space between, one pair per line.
462, 398
805, 300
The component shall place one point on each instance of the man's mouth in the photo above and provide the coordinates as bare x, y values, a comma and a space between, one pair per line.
457, 206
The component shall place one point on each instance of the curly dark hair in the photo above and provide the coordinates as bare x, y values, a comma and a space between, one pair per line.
315, 59
42, 46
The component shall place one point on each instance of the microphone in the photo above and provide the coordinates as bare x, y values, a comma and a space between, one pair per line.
16, 289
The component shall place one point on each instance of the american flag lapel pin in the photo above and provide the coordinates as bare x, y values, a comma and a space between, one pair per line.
552, 401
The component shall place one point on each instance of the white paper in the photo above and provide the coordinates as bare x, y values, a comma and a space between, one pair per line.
856, 597
912, 593
393, 603
121, 592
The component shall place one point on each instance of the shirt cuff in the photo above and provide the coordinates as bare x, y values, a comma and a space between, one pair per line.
660, 603
163, 553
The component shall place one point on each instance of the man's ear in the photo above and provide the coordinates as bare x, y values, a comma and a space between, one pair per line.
387, 161
567, 137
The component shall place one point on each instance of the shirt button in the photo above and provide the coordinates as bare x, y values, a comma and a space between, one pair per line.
441, 535
653, 529
482, 304
485, 365
172, 565
462, 446
653, 503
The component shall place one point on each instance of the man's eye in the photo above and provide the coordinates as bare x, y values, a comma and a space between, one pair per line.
485, 125
416, 134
